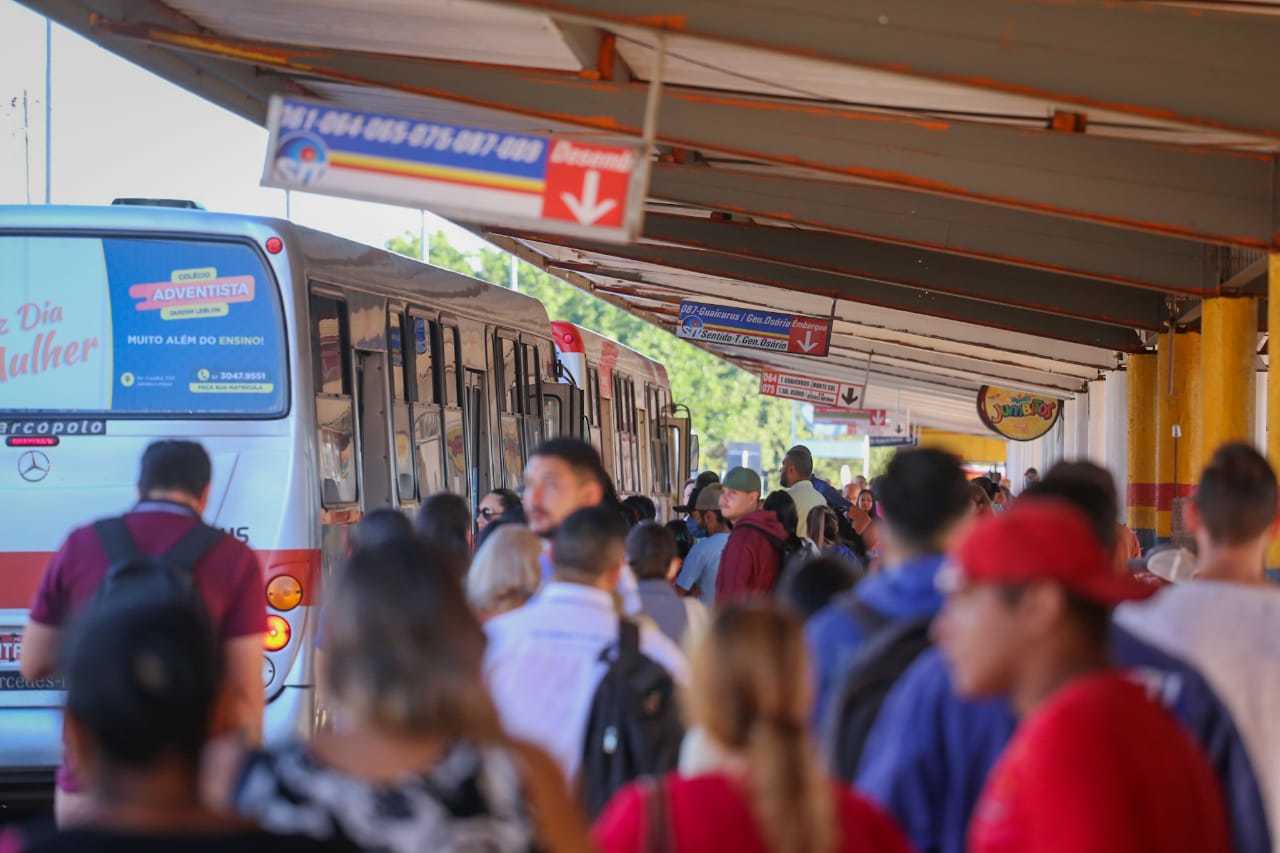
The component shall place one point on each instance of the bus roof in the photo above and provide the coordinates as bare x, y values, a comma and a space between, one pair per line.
325, 256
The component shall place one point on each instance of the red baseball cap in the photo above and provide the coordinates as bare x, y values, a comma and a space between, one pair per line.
1040, 540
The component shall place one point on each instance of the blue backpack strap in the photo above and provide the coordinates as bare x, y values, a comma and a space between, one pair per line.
116, 541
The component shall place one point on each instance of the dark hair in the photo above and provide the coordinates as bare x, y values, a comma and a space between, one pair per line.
640, 508
1087, 487
684, 539
650, 549
582, 544
380, 526
142, 677
822, 526
800, 457
875, 502
584, 460
923, 492
706, 478
404, 648
1237, 496
510, 500
781, 504
812, 585
987, 485
443, 522
170, 464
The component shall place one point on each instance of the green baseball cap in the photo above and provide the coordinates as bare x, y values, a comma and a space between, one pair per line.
741, 480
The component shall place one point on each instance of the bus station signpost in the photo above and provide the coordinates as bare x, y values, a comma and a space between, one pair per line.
811, 389
754, 329
553, 184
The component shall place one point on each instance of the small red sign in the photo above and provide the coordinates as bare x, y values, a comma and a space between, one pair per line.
587, 184
809, 336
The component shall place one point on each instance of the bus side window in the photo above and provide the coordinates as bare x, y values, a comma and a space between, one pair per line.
534, 427
420, 390
449, 393
510, 384
335, 420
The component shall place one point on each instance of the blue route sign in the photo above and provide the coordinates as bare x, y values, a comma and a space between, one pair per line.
732, 325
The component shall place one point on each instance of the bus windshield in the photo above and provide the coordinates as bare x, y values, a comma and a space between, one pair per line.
139, 327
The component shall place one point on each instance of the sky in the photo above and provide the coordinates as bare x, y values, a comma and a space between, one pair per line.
121, 131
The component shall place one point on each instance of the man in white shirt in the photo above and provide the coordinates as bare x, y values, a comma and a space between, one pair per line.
1224, 620
544, 662
564, 475
796, 471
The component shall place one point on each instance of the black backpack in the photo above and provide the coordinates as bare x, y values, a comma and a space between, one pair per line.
166, 577
634, 727
888, 650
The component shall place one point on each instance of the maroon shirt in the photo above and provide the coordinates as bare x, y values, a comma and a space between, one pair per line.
752, 558
228, 576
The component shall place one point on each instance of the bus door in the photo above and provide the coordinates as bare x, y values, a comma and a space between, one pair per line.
562, 413
373, 423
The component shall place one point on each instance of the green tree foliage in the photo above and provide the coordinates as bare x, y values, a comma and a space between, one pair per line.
724, 399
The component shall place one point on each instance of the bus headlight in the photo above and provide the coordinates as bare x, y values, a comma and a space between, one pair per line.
284, 592
278, 632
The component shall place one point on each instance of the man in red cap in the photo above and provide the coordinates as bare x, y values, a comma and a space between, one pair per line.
1095, 764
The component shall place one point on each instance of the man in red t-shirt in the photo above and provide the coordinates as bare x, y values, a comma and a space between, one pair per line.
173, 488
1095, 764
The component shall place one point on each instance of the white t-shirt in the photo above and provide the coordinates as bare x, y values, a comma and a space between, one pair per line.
806, 497
543, 665
1231, 634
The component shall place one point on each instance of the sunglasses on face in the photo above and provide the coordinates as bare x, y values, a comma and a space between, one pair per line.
487, 513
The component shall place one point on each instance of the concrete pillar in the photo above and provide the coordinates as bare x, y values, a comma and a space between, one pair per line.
1228, 354
1140, 491
1178, 436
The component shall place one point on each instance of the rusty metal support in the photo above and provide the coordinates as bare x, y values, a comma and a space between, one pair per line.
1051, 293
1213, 195
945, 224
903, 298
1143, 59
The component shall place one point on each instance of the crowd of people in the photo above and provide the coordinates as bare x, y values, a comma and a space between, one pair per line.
919, 662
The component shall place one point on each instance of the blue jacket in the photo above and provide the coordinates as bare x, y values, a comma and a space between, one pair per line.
835, 500
906, 591
929, 753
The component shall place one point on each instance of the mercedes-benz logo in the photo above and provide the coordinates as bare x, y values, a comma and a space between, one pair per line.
33, 466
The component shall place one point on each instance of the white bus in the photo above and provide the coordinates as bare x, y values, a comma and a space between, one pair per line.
326, 378
628, 414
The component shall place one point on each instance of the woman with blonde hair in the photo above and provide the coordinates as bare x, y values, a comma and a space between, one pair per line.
505, 572
416, 758
750, 696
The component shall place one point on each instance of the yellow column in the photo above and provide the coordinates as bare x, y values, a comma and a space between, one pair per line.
1141, 491
1178, 426
1273, 381
1228, 356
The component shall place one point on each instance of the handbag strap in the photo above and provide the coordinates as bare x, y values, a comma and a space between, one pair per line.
659, 836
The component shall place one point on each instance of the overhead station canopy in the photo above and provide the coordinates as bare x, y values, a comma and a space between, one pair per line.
987, 192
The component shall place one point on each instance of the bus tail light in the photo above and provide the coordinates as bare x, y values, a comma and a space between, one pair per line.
284, 592
278, 632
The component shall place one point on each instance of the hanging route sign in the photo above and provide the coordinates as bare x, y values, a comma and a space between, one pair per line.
554, 184
810, 389
754, 329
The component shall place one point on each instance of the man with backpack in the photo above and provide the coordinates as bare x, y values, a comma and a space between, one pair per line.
159, 548
924, 498
752, 558
568, 674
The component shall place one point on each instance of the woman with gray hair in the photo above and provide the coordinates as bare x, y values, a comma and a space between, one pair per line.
416, 758
505, 572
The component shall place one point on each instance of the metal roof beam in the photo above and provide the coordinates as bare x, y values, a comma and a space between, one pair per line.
1213, 195
1051, 293
1188, 65
943, 224
915, 300
862, 319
